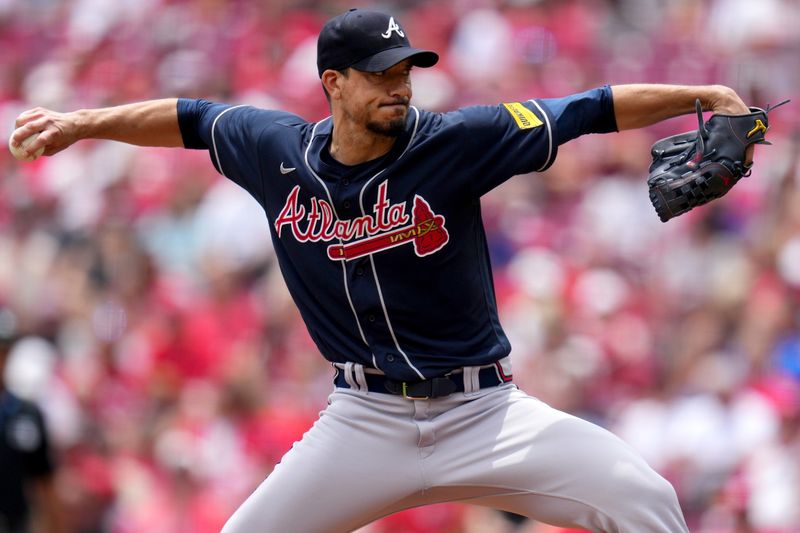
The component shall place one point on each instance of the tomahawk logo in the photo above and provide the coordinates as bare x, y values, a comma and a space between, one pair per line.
426, 232
388, 226
393, 27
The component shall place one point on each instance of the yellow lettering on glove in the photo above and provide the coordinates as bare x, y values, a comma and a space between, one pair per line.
759, 127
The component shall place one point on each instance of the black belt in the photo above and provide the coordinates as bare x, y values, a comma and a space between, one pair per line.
425, 389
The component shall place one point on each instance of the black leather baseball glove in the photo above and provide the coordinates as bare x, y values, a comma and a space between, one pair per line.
695, 167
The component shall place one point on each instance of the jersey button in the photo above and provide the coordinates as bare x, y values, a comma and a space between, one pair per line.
346, 204
390, 358
359, 271
371, 318
345, 182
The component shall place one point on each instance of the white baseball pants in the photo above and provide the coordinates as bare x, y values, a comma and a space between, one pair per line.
370, 455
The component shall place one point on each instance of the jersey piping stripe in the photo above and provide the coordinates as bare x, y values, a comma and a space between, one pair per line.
549, 136
388, 322
214, 139
333, 207
372, 257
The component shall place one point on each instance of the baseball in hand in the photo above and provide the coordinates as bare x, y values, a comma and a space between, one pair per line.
17, 151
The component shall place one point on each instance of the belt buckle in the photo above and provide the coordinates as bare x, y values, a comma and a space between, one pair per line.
407, 397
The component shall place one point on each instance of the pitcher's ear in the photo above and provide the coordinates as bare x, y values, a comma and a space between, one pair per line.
332, 82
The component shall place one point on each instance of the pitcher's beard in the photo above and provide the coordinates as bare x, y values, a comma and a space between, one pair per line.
391, 128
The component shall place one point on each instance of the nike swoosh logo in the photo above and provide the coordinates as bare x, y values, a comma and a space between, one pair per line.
286, 170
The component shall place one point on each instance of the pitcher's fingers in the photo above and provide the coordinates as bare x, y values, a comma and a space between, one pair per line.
17, 136
28, 115
44, 140
28, 129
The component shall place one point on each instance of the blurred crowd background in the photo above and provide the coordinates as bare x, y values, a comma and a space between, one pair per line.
157, 336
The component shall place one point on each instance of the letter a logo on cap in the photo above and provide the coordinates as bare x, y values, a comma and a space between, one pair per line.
392, 27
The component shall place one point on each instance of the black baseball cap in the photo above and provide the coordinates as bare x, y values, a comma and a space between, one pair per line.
367, 40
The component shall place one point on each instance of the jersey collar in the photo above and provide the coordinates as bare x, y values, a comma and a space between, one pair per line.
325, 165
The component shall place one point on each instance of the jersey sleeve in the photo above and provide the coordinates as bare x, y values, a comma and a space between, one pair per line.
522, 137
578, 114
232, 135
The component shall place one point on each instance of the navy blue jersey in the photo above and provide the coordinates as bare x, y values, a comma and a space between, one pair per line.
387, 260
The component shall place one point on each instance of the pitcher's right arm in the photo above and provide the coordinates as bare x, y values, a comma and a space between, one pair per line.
149, 123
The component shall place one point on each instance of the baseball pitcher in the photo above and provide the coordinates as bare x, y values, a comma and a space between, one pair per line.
376, 220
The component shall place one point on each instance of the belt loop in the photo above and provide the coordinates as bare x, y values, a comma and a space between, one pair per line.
348, 376
361, 379
471, 376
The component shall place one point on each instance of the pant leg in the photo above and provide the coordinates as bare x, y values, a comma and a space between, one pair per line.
352, 467
511, 451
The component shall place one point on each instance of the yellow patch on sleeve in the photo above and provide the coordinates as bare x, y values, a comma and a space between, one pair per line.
524, 117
